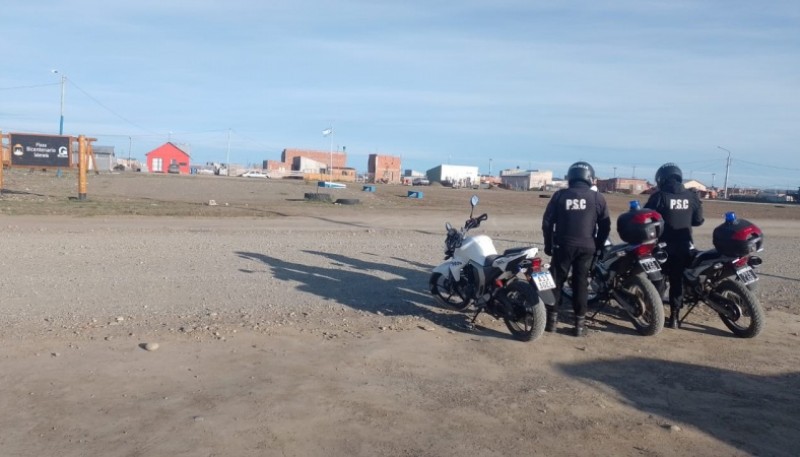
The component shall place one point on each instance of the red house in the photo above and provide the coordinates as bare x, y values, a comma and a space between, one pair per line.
168, 158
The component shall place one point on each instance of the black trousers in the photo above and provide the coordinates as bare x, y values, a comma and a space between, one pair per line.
677, 261
578, 260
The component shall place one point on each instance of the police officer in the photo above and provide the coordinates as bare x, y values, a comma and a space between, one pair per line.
575, 227
681, 210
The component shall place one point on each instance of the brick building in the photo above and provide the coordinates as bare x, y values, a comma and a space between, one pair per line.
631, 186
384, 169
311, 164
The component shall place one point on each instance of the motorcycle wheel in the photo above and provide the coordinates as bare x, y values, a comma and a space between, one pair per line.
649, 318
751, 321
447, 292
526, 317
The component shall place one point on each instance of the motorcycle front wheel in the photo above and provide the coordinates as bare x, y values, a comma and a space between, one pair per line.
447, 292
648, 318
751, 320
524, 316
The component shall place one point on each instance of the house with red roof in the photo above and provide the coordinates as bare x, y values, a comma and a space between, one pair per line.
168, 158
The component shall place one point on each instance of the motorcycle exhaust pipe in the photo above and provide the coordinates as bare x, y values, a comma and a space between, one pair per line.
624, 299
723, 306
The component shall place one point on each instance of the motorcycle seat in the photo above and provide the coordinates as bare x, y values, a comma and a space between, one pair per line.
489, 259
513, 251
702, 256
615, 248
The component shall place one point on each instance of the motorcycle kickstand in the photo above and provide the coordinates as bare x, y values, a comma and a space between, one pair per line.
471, 323
602, 307
681, 319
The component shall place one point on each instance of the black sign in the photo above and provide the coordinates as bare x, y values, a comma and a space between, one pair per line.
40, 150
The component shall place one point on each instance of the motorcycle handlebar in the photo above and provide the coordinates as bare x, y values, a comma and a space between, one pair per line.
475, 222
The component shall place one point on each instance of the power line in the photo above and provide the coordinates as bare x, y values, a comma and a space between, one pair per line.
107, 108
29, 87
774, 167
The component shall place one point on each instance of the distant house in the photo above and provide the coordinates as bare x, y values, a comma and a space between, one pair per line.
311, 164
631, 186
383, 169
526, 180
105, 157
160, 159
455, 175
696, 185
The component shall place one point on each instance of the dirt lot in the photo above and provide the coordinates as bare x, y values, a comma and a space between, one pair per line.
293, 328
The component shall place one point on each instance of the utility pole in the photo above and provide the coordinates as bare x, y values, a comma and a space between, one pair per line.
615, 172
727, 170
63, 81
634, 172
228, 155
712, 179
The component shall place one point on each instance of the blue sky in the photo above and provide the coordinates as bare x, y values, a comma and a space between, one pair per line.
626, 85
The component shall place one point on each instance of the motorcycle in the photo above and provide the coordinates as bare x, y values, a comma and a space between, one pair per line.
724, 277
625, 273
508, 286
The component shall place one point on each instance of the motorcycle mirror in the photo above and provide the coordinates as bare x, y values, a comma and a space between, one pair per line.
448, 226
474, 201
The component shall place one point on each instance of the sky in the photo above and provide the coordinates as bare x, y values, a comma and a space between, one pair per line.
626, 85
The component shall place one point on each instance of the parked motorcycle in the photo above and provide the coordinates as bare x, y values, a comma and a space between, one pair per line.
625, 273
507, 286
723, 278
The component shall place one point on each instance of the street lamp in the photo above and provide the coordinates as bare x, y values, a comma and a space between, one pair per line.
63, 80
727, 169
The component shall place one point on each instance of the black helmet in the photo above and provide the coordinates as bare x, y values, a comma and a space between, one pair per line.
580, 171
667, 171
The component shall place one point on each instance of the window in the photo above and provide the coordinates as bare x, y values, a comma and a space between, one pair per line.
158, 164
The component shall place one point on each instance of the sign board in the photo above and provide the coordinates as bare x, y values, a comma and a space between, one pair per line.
40, 150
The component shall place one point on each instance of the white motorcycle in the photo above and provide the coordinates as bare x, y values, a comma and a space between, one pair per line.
512, 286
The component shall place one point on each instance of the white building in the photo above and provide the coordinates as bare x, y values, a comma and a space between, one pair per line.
306, 165
526, 180
456, 175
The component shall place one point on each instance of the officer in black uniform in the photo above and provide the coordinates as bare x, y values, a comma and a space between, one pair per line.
575, 227
681, 210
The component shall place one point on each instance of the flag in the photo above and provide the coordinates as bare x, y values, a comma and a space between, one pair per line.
327, 131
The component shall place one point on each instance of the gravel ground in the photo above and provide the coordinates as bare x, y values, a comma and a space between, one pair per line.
279, 326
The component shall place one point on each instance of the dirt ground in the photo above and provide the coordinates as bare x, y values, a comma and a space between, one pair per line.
143, 321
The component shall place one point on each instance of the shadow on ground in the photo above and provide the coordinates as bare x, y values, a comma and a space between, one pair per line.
375, 287
757, 414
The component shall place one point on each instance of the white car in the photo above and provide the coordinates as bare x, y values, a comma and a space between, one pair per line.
254, 174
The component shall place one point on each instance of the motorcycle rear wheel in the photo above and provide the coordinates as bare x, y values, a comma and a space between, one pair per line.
526, 317
649, 318
751, 321
447, 292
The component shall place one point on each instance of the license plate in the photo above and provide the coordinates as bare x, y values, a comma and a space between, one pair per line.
543, 280
649, 265
747, 275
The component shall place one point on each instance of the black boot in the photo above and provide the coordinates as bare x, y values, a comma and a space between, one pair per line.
674, 317
580, 326
552, 321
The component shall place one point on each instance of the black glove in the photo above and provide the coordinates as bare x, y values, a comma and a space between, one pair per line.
548, 250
